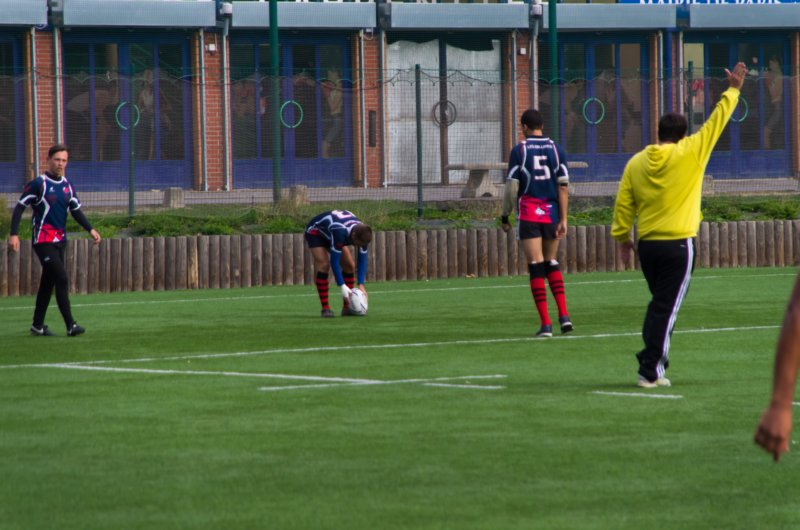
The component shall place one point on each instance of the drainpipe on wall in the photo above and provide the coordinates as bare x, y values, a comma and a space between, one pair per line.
513, 87
203, 141
34, 105
382, 62
226, 102
57, 86
363, 107
535, 15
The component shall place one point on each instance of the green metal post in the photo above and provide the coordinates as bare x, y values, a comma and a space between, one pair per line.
275, 94
132, 139
418, 98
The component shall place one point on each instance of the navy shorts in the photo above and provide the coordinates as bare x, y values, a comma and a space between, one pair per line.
315, 239
529, 230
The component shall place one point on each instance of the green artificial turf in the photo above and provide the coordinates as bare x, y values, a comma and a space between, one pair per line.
244, 409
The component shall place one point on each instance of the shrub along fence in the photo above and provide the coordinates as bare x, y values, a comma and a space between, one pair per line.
222, 262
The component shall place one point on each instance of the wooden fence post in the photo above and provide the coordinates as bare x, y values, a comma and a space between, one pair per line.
148, 263
246, 260
422, 260
235, 260
411, 250
277, 259
4, 251
462, 253
402, 264
192, 263
299, 259
266, 260
391, 255
213, 262
713, 245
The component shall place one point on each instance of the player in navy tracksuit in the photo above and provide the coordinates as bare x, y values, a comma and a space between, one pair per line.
51, 196
538, 183
328, 236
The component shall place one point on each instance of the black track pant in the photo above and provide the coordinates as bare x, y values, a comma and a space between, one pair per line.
54, 275
667, 267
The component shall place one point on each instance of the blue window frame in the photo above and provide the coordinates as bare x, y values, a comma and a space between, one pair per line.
603, 94
12, 126
756, 143
314, 109
128, 110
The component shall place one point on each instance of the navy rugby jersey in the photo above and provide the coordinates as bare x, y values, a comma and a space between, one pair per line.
540, 167
336, 226
50, 200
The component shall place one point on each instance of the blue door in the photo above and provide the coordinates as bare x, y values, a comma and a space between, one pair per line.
603, 97
12, 136
127, 113
314, 108
756, 142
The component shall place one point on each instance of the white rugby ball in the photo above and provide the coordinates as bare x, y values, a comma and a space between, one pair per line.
358, 302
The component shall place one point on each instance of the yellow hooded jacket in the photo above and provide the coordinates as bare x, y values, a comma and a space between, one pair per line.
662, 184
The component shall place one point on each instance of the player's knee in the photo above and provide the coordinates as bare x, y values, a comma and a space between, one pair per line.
536, 269
551, 266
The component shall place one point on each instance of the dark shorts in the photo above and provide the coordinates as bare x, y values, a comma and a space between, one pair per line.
529, 230
316, 240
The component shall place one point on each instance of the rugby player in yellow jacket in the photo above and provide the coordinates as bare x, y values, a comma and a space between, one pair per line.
661, 189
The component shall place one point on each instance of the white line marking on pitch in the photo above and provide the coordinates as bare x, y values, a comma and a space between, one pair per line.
375, 347
69, 366
451, 385
638, 394
328, 381
425, 382
397, 291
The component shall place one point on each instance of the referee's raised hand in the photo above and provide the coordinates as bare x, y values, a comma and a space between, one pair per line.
736, 78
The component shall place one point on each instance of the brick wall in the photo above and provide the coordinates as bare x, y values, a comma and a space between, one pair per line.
373, 96
214, 122
45, 99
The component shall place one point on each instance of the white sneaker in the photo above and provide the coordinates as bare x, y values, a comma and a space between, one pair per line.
661, 381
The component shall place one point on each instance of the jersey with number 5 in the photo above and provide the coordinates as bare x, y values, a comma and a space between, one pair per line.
540, 167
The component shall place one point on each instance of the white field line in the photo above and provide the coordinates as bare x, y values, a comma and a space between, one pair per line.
451, 385
638, 394
424, 382
796, 403
339, 380
299, 387
328, 381
398, 291
376, 347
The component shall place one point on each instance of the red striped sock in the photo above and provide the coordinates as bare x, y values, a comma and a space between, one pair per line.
556, 281
539, 291
350, 281
322, 289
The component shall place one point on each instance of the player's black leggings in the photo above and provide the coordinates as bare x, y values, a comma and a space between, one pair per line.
54, 275
667, 267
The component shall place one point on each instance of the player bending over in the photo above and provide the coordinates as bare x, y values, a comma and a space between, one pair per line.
328, 236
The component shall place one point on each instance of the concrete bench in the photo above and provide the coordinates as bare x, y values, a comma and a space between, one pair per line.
480, 185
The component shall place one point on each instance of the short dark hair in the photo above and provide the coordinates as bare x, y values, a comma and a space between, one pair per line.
672, 127
532, 119
361, 233
57, 149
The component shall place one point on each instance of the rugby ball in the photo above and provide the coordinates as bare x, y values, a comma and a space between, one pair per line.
358, 302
